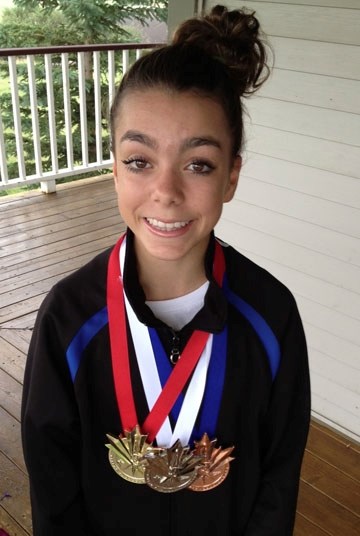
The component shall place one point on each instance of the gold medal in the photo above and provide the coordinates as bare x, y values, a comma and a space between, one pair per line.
214, 467
126, 455
172, 469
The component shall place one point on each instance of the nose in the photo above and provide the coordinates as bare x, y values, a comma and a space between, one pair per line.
168, 188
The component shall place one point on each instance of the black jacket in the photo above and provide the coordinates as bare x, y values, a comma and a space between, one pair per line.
75, 491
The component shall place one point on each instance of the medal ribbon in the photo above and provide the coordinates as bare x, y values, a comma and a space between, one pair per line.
120, 353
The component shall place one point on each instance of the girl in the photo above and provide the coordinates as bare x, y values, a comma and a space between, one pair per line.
187, 359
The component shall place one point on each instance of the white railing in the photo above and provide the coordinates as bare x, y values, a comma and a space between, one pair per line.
39, 144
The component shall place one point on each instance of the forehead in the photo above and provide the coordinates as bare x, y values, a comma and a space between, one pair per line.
160, 110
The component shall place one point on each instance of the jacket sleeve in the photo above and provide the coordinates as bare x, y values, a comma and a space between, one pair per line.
283, 437
51, 432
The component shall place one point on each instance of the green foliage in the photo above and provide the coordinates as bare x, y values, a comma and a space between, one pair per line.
93, 19
60, 22
37, 28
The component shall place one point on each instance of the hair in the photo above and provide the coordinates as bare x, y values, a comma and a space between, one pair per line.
222, 55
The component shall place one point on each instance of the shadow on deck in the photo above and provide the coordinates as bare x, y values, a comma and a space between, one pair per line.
42, 239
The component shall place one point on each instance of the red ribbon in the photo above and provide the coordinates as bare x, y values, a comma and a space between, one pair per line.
120, 353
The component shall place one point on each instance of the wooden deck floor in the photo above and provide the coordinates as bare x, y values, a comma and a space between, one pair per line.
43, 238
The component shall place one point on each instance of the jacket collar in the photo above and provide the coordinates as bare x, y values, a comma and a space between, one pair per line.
211, 318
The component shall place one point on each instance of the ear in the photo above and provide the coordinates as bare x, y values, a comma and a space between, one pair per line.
114, 169
233, 179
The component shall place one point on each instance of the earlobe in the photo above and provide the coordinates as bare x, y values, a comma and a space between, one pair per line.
114, 170
233, 179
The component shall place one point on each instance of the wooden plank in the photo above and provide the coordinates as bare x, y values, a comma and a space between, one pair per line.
331, 482
19, 338
20, 257
21, 322
10, 440
332, 125
9, 524
59, 235
47, 260
329, 59
12, 360
318, 429
13, 287
54, 224
314, 23
15, 482
21, 308
304, 527
73, 209
30, 291
301, 178
13, 204
10, 395
314, 90
326, 513
323, 154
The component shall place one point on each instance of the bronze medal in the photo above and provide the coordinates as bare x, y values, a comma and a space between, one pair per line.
172, 469
214, 467
126, 455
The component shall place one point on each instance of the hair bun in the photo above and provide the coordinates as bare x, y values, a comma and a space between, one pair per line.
235, 39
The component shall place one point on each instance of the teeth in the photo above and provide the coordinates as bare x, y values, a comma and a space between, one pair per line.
166, 226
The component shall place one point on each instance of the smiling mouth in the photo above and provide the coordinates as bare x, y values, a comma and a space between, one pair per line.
164, 226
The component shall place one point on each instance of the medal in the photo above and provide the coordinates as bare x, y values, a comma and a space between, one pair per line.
214, 467
172, 469
168, 470
126, 455
132, 455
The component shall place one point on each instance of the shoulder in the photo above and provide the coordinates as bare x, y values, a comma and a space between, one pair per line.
259, 289
76, 298
87, 280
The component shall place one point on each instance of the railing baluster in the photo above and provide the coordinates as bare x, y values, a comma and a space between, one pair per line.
97, 96
34, 114
71, 167
17, 120
126, 61
67, 111
3, 164
50, 186
111, 75
83, 118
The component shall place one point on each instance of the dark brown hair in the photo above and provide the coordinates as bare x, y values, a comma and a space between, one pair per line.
221, 55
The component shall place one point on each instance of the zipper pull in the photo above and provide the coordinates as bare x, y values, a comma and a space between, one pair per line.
175, 352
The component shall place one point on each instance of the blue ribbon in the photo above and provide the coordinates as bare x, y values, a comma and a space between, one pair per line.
210, 406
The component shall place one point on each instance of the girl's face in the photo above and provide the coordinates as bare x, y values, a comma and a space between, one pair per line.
173, 171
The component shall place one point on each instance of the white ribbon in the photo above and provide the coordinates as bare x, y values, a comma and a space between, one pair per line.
151, 380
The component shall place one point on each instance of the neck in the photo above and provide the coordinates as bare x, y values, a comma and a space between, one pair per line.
167, 279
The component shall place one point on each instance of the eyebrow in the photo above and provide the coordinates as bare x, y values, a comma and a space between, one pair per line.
189, 143
140, 137
200, 141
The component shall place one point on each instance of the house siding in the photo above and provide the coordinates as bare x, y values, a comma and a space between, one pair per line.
297, 208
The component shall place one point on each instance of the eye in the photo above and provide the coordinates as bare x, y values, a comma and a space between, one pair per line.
201, 167
136, 164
